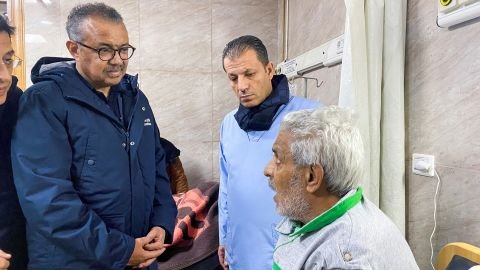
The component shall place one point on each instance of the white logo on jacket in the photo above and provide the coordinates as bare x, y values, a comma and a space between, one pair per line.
147, 122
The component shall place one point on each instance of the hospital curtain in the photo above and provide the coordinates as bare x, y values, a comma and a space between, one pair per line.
372, 84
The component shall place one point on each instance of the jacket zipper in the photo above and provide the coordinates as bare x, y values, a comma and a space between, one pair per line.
127, 137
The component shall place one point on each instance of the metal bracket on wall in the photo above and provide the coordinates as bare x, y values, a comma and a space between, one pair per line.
305, 81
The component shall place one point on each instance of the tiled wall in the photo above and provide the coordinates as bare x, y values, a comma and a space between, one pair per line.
442, 106
178, 57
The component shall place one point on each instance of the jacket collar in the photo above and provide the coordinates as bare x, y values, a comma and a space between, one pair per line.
75, 87
64, 72
262, 116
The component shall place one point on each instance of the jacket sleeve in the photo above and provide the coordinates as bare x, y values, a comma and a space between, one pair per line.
222, 195
164, 207
42, 159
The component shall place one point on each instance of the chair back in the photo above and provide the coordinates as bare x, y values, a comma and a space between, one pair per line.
458, 256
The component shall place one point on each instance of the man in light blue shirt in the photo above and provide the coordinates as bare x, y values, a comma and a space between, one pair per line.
316, 165
247, 215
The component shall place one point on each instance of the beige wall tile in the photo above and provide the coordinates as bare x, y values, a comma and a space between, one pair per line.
175, 35
232, 20
314, 22
181, 102
270, 3
197, 161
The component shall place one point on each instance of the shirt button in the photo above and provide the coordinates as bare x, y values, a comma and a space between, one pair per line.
347, 257
124, 144
90, 162
132, 143
143, 108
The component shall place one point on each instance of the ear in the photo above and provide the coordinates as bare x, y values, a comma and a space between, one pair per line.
270, 70
314, 178
72, 47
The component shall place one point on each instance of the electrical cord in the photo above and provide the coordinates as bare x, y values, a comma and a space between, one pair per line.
434, 217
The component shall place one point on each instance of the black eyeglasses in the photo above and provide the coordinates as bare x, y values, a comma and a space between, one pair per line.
107, 53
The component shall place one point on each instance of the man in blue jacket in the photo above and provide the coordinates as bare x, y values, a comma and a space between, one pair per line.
88, 164
12, 222
247, 217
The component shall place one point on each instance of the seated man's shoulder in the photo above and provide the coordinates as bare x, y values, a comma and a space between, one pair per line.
373, 237
304, 103
368, 219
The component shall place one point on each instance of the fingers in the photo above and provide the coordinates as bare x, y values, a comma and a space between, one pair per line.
146, 263
156, 234
156, 237
5, 255
142, 241
4, 263
153, 254
154, 246
149, 258
147, 238
148, 248
221, 257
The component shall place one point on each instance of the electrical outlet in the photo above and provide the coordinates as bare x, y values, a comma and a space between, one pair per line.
423, 164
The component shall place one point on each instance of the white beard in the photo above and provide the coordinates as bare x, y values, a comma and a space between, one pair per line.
293, 205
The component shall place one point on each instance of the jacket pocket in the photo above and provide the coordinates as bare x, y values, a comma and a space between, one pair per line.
89, 165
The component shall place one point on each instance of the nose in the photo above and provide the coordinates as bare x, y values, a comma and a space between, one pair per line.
5, 73
242, 84
268, 171
116, 59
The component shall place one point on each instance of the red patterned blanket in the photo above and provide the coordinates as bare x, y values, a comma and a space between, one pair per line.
196, 230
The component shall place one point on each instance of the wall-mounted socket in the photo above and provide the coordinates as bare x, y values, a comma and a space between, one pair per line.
423, 164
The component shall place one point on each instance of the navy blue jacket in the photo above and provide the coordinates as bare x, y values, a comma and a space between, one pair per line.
87, 185
12, 223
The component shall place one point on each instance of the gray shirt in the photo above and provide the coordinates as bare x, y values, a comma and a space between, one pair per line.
362, 238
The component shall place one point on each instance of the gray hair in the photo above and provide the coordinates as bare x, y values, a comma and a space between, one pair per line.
81, 12
238, 46
326, 136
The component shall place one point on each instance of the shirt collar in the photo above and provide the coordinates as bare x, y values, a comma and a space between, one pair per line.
295, 229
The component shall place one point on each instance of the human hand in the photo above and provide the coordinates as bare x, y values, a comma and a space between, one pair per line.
141, 257
4, 260
157, 236
156, 243
221, 257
